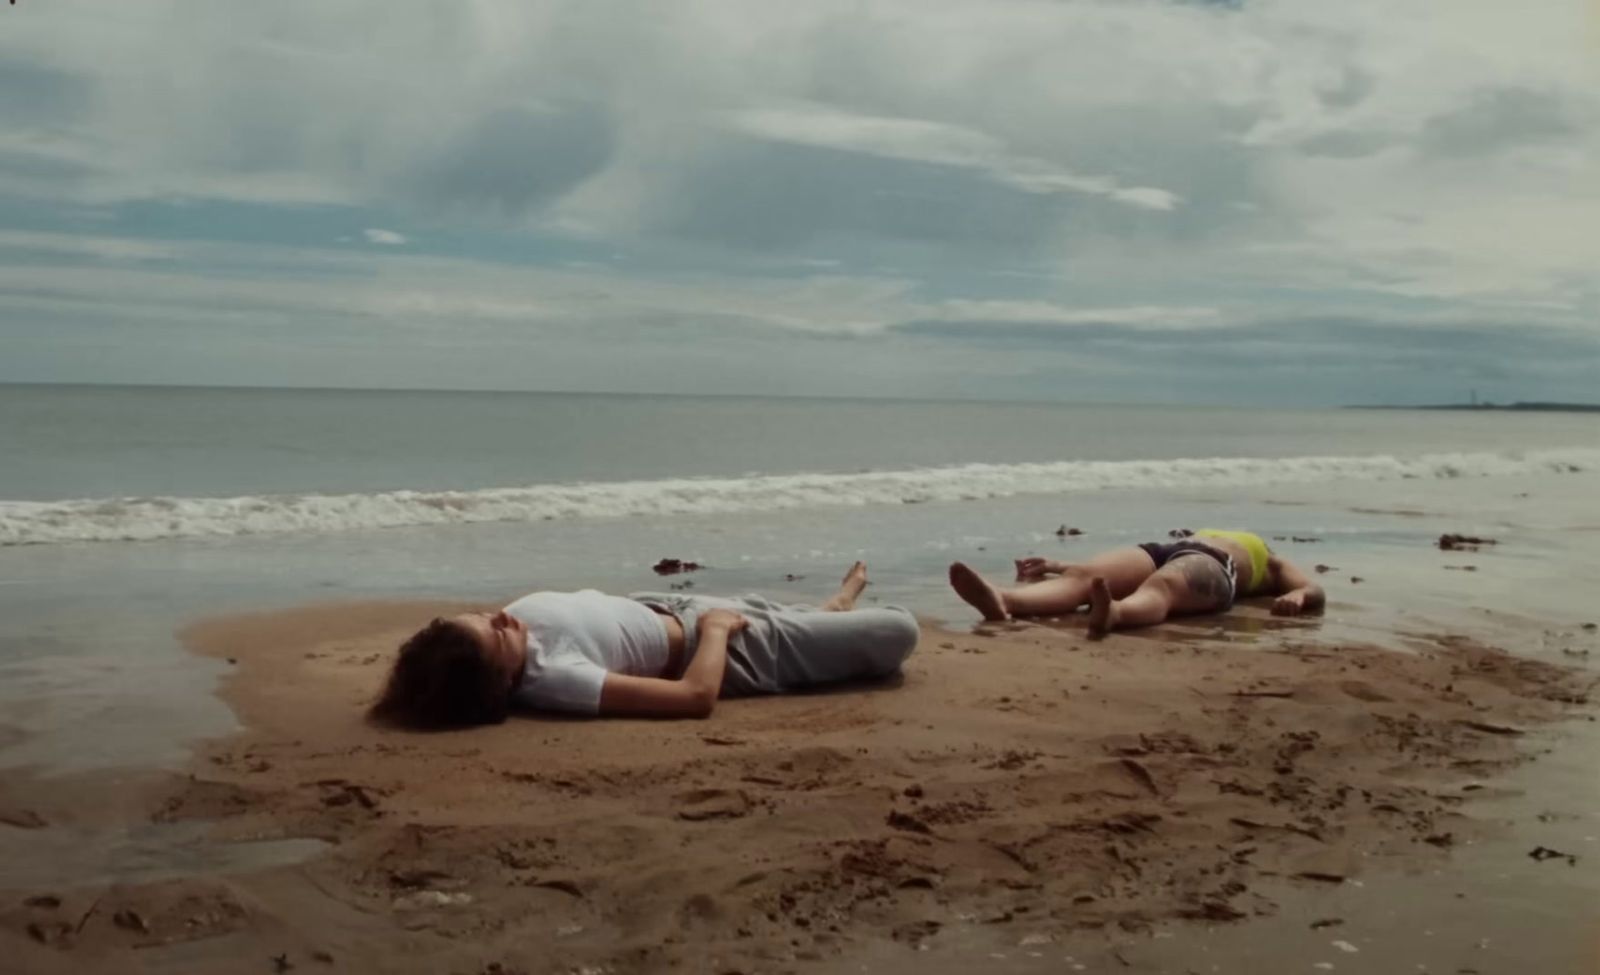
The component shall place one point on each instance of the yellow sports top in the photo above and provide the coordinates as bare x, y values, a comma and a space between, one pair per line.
1252, 543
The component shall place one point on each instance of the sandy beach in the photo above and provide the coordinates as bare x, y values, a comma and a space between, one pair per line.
1406, 781
1019, 778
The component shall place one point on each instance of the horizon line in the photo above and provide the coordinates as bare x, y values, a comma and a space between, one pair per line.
647, 394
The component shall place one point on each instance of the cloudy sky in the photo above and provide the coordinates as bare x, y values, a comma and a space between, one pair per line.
1260, 202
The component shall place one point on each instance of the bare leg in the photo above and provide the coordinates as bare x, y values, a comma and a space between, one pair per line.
1123, 569
1187, 585
850, 588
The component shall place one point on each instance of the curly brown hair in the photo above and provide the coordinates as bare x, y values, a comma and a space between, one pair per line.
442, 679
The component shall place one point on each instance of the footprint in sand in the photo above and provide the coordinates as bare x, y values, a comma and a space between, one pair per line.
698, 908
702, 804
1362, 691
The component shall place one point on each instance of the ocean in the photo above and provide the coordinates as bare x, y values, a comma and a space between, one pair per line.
108, 464
126, 512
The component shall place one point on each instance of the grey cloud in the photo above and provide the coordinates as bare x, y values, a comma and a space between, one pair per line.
514, 159
34, 101
1213, 172
1499, 119
37, 168
1309, 360
754, 193
261, 125
1347, 144
1354, 85
1187, 142
1325, 339
36, 95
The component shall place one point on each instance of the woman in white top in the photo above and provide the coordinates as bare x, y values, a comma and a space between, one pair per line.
667, 655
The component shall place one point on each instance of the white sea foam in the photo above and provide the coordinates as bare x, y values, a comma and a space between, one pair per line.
139, 519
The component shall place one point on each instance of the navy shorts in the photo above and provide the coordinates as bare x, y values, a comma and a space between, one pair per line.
1163, 552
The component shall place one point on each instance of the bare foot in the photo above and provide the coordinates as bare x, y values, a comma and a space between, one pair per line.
977, 592
850, 588
1102, 609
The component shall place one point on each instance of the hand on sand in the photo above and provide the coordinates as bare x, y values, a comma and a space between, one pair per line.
724, 619
1033, 568
1289, 604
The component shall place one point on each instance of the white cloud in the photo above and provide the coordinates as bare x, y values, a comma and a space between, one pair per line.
939, 144
1050, 313
376, 235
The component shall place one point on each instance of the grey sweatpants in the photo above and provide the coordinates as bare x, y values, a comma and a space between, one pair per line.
787, 647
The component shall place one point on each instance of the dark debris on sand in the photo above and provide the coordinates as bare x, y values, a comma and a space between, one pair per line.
1542, 853
1452, 542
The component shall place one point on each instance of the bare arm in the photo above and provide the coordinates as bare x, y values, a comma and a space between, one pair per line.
1296, 592
693, 695
1033, 568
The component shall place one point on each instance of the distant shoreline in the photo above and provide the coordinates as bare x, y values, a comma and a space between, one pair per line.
1492, 407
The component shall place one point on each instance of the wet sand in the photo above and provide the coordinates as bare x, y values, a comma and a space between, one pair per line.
1019, 785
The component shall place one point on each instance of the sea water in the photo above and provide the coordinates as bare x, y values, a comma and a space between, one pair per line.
141, 463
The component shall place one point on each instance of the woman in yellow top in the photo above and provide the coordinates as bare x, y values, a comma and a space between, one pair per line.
1143, 585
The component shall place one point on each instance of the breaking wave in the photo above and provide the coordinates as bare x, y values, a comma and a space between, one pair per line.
141, 519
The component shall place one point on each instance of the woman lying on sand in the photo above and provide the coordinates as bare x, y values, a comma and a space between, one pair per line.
1143, 585
650, 654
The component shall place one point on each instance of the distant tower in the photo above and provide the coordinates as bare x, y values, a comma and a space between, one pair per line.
1474, 397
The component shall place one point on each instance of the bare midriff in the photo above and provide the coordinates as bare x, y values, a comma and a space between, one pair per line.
675, 643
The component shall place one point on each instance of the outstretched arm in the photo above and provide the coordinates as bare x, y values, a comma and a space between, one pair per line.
693, 695
1296, 592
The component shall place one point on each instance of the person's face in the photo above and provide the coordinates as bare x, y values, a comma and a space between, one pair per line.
503, 640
